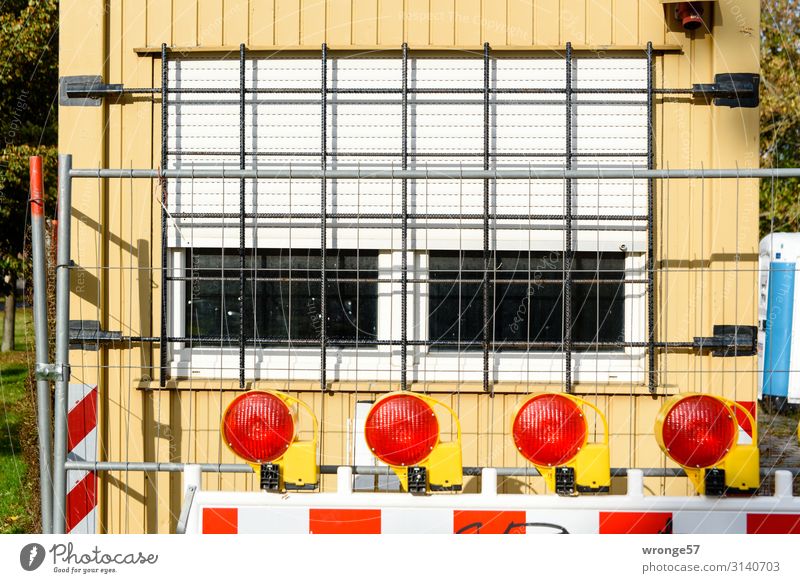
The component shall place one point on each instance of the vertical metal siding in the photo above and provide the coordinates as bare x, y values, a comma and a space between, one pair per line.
114, 220
309, 23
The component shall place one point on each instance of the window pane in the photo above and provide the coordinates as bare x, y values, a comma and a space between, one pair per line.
291, 306
456, 310
599, 309
282, 300
527, 297
352, 307
212, 296
531, 310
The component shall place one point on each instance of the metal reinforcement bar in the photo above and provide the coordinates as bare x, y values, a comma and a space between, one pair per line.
163, 352
285, 173
439, 226
242, 186
651, 310
521, 344
568, 254
487, 386
411, 216
365, 470
379, 154
385, 90
337, 279
404, 231
323, 225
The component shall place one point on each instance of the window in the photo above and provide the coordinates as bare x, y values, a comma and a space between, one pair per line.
282, 295
453, 132
526, 301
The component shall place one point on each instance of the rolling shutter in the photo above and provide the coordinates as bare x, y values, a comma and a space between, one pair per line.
445, 132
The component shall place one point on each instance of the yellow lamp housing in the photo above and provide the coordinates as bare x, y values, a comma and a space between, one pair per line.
550, 430
402, 430
700, 432
261, 427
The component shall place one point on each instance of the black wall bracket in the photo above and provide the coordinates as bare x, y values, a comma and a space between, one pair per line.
87, 335
730, 340
731, 89
85, 90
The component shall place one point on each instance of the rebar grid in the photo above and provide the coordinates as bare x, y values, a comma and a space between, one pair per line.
404, 216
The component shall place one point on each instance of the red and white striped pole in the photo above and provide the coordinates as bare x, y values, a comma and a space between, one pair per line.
81, 447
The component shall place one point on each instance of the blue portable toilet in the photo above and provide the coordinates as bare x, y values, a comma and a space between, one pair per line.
778, 305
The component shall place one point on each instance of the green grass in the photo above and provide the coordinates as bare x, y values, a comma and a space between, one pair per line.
15, 408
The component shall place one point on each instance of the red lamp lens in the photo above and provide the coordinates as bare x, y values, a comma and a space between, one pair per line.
698, 431
401, 430
549, 430
258, 427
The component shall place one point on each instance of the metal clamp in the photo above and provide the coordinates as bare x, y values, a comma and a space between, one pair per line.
731, 89
46, 371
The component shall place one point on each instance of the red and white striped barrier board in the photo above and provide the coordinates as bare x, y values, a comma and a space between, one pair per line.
81, 446
346, 512
444, 521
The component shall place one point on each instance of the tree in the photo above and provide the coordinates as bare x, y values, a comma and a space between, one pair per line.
28, 93
780, 113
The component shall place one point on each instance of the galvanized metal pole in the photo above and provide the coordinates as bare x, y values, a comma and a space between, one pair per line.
456, 173
62, 344
373, 470
42, 348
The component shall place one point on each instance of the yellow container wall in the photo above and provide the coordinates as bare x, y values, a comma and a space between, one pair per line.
706, 231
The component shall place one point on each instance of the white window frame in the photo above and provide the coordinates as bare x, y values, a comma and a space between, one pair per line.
381, 364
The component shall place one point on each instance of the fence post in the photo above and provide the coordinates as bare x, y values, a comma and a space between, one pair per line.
62, 344
41, 343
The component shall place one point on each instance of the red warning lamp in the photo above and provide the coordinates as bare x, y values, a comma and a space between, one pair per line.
550, 430
401, 430
699, 432
261, 427
258, 427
